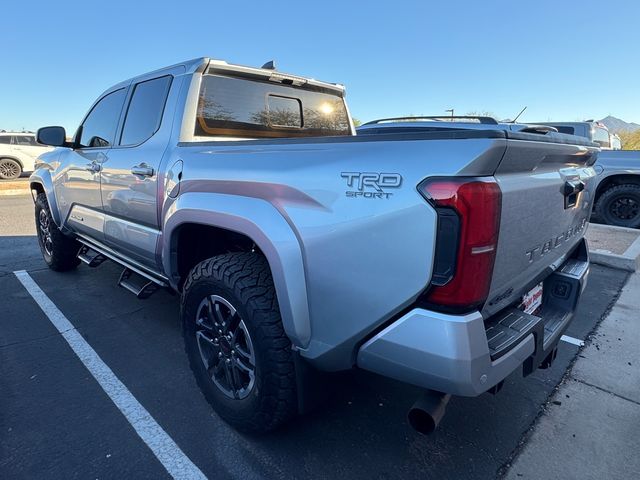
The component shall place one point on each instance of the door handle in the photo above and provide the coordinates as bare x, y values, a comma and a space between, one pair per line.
93, 167
143, 170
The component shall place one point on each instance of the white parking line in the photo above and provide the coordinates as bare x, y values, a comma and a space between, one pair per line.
161, 444
571, 340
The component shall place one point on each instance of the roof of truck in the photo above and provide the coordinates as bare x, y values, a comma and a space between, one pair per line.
210, 65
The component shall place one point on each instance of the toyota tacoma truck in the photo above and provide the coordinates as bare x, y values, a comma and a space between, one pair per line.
445, 259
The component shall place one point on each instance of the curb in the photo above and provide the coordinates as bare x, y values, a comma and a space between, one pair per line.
629, 260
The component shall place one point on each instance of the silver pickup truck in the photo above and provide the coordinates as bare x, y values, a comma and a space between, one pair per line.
444, 259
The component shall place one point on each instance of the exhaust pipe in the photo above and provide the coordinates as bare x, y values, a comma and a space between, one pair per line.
425, 415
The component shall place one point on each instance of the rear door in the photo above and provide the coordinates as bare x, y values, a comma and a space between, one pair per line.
546, 201
130, 175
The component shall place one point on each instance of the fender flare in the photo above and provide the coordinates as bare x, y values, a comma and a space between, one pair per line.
264, 224
43, 177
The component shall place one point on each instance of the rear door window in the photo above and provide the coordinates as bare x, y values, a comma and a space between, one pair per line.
25, 140
5, 139
145, 110
236, 107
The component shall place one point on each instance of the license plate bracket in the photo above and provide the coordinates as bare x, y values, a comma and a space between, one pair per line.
532, 300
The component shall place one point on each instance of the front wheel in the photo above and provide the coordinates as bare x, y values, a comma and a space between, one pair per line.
58, 250
236, 344
620, 206
9, 169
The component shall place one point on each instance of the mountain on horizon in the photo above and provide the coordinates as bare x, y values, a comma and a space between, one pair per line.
616, 125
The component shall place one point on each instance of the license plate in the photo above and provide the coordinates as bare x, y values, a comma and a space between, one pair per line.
532, 300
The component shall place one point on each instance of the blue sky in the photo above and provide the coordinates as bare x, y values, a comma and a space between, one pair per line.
564, 60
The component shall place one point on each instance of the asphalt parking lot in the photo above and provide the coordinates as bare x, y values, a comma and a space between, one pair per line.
57, 422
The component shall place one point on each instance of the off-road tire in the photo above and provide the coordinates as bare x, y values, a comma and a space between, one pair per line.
60, 252
244, 280
618, 202
9, 169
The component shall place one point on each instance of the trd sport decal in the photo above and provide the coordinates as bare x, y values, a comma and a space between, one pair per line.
371, 184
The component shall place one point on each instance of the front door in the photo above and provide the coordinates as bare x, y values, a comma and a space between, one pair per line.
77, 183
130, 175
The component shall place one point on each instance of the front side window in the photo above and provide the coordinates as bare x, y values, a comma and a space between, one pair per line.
145, 110
99, 128
5, 139
249, 108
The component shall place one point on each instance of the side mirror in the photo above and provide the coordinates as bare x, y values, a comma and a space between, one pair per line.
54, 136
98, 142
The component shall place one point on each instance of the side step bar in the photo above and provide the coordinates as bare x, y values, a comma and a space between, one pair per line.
133, 278
141, 289
90, 257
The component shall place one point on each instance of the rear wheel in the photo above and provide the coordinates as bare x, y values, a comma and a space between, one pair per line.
58, 250
9, 169
620, 206
236, 344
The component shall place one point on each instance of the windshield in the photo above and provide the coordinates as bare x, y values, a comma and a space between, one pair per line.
236, 107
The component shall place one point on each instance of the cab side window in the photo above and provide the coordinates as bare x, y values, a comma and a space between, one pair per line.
144, 113
99, 128
25, 140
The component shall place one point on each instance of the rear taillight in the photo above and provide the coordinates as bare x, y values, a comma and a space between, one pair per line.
466, 241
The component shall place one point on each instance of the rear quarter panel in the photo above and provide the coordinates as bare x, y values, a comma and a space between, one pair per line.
365, 259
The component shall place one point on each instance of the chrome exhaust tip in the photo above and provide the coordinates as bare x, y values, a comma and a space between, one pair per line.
427, 412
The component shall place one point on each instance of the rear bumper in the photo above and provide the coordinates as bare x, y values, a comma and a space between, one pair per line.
467, 355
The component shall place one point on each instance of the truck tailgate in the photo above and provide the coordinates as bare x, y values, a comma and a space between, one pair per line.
546, 201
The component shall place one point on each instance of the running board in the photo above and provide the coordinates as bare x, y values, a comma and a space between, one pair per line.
90, 257
137, 284
134, 278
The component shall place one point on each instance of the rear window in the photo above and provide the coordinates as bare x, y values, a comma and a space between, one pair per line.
565, 129
236, 107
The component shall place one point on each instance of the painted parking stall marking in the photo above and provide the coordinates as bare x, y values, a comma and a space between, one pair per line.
161, 444
572, 341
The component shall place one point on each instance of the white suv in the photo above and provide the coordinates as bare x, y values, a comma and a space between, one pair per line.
18, 152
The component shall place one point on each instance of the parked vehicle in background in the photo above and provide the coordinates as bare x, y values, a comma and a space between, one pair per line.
18, 152
445, 259
594, 131
617, 199
616, 142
